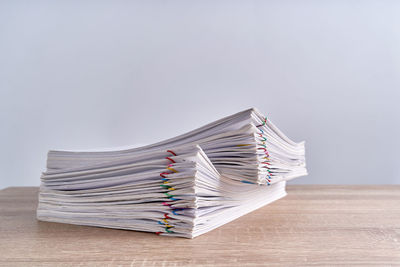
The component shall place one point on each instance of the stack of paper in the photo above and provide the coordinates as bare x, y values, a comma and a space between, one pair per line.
184, 186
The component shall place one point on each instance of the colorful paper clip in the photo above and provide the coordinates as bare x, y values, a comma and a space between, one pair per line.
172, 152
264, 122
168, 158
166, 185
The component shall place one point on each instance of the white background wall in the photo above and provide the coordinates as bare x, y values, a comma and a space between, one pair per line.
88, 74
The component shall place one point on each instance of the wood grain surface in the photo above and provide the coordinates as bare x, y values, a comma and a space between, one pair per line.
313, 225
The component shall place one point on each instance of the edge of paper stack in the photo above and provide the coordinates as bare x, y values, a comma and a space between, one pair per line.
184, 186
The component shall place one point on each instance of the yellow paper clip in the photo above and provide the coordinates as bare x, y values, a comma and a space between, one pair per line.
172, 169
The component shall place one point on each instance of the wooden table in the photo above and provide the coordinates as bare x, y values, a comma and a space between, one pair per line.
313, 225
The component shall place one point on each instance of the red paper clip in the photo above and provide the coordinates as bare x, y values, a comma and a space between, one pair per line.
172, 152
